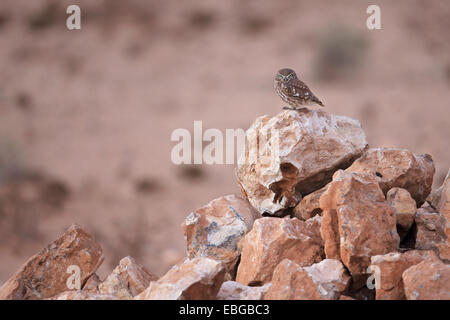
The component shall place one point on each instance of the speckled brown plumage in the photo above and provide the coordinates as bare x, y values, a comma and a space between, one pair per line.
294, 91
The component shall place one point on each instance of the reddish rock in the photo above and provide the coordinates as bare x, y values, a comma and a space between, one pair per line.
428, 280
444, 201
83, 295
45, 274
430, 225
440, 199
193, 279
357, 222
215, 229
232, 290
390, 268
92, 283
404, 207
345, 298
398, 168
273, 239
310, 205
324, 280
294, 154
127, 280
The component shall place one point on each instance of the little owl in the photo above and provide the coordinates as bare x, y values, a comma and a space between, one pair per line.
293, 91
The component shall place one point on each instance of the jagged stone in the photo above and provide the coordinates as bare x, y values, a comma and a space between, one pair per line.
46, 273
273, 239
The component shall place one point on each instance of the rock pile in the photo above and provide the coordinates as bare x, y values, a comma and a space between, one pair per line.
322, 217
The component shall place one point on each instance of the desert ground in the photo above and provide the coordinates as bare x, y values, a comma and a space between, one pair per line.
86, 115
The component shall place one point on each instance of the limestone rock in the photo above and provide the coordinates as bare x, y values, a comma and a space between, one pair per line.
398, 168
232, 290
310, 205
324, 280
127, 280
293, 154
428, 280
431, 227
45, 274
357, 222
215, 229
193, 279
330, 277
273, 239
405, 209
391, 267
83, 295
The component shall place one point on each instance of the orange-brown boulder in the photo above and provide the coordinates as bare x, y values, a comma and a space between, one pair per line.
274, 239
390, 268
430, 230
232, 290
310, 205
357, 222
428, 280
404, 207
127, 280
215, 229
398, 168
193, 279
325, 280
293, 154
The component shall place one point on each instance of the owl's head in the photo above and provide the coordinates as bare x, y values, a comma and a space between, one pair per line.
285, 75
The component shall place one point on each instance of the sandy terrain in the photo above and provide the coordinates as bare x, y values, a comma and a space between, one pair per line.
95, 108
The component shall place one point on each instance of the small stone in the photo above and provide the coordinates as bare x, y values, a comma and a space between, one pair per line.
442, 204
215, 229
390, 268
440, 197
127, 280
273, 239
431, 227
82, 295
310, 205
405, 209
324, 280
293, 154
232, 290
45, 274
428, 280
92, 283
330, 277
357, 223
398, 168
193, 279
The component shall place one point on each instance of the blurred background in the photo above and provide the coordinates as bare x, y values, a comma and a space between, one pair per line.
86, 115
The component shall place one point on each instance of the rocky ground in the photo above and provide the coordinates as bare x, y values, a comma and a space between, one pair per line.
322, 216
